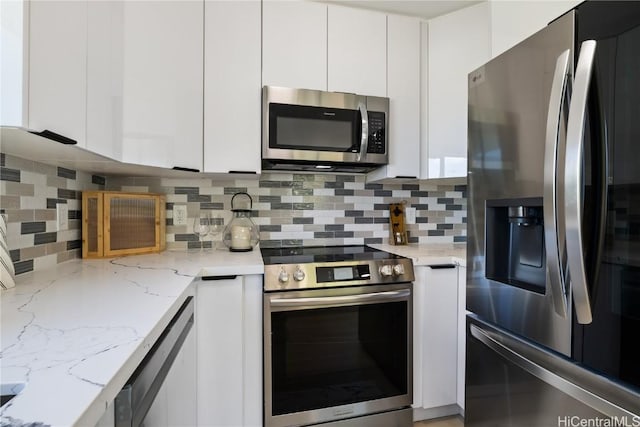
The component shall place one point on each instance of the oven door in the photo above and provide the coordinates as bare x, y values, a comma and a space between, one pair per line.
336, 353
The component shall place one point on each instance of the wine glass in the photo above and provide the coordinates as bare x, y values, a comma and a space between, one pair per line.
201, 227
216, 225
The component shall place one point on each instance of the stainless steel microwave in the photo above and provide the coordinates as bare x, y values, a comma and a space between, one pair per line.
323, 131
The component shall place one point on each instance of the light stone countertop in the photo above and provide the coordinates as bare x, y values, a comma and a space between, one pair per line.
429, 254
74, 334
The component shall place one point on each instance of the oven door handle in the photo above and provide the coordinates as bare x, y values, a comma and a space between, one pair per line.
342, 300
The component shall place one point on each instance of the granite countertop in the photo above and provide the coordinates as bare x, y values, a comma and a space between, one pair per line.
431, 254
74, 334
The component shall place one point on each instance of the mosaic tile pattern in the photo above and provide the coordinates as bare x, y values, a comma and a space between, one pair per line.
301, 209
290, 209
29, 193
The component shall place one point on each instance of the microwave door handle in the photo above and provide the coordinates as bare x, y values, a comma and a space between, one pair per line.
559, 91
573, 182
364, 135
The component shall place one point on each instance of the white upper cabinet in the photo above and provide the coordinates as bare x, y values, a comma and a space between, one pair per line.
57, 67
144, 96
105, 73
357, 51
403, 90
294, 44
232, 87
459, 42
14, 18
512, 22
162, 83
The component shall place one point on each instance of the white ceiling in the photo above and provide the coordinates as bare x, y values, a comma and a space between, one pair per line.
426, 9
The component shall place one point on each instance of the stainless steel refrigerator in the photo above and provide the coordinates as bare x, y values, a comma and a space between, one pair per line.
553, 258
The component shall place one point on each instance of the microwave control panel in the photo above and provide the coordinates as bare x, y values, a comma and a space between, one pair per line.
376, 133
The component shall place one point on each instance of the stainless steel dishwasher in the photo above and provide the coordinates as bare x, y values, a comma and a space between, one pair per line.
136, 398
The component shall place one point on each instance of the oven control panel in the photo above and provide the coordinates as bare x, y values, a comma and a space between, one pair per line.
279, 277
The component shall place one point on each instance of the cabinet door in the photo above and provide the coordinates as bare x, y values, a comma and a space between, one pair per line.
462, 315
105, 73
357, 51
232, 90
219, 351
294, 44
162, 81
57, 67
458, 44
14, 63
229, 351
512, 22
175, 403
403, 84
440, 337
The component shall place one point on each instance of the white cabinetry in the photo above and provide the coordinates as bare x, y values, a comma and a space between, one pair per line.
144, 100
435, 340
57, 67
314, 46
357, 51
403, 90
229, 351
43, 66
459, 42
14, 61
294, 44
162, 83
462, 333
232, 106
512, 22
175, 403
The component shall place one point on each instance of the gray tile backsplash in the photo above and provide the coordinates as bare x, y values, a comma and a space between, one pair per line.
29, 193
290, 209
307, 209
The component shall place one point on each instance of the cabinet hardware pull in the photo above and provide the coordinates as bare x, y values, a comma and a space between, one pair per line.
55, 137
179, 168
230, 277
441, 266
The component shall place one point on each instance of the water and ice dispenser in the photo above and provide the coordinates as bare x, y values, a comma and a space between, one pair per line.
515, 253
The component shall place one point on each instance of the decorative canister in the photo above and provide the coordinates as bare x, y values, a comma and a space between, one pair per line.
241, 234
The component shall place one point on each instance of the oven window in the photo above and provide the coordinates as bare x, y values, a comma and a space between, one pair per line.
335, 356
313, 128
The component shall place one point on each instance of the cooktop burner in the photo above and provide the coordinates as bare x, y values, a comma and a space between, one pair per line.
317, 254
332, 266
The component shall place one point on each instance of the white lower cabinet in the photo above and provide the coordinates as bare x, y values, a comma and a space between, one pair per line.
175, 403
436, 341
229, 351
462, 333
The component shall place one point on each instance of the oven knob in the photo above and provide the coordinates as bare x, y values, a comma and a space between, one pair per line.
283, 277
386, 270
298, 275
398, 269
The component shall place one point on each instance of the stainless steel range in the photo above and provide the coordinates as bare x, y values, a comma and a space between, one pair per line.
337, 337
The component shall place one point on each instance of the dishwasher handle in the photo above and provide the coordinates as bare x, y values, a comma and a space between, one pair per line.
134, 400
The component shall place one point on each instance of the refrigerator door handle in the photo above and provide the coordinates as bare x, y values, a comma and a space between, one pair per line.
550, 369
573, 182
559, 91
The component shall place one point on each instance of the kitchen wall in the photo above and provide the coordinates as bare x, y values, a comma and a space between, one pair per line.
29, 192
321, 209
291, 209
